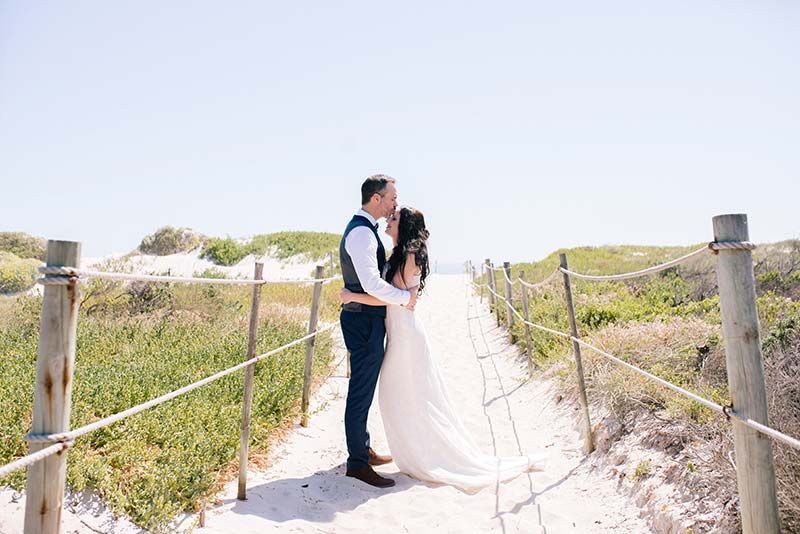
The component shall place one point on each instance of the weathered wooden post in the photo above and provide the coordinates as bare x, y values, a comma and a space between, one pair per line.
755, 468
52, 398
588, 444
348, 364
509, 299
487, 266
528, 339
493, 282
312, 327
247, 404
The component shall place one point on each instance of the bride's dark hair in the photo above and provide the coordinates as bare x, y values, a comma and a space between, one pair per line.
412, 236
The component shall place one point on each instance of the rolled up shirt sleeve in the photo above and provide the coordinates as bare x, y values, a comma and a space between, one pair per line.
363, 250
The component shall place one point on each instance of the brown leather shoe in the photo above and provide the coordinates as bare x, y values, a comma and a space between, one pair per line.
367, 475
377, 459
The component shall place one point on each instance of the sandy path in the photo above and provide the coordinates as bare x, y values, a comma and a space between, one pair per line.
305, 490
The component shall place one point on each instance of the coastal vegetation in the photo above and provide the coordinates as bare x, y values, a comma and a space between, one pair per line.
313, 246
139, 340
669, 324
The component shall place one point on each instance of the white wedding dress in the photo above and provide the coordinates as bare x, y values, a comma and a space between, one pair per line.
425, 435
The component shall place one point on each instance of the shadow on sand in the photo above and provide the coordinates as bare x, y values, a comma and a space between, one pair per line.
315, 498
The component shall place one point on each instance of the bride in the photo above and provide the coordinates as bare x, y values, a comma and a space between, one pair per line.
425, 435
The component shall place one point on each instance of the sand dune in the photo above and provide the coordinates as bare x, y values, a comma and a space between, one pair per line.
190, 263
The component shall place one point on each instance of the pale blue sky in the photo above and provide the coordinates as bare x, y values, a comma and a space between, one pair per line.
517, 127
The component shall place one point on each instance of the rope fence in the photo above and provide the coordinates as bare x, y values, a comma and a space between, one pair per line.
724, 410
55, 364
64, 276
31, 459
637, 274
754, 460
788, 440
552, 276
529, 323
713, 247
106, 421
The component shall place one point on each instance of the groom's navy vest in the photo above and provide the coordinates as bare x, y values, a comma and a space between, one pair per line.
351, 281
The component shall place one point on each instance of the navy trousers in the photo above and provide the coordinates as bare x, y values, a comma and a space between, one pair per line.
364, 335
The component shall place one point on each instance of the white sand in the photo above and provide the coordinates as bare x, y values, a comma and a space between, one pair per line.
305, 490
83, 512
190, 264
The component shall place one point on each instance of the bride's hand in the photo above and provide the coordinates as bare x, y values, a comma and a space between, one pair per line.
346, 296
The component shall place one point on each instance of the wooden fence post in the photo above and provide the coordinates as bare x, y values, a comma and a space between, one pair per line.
588, 444
528, 339
509, 299
755, 468
52, 399
493, 280
247, 404
312, 327
488, 268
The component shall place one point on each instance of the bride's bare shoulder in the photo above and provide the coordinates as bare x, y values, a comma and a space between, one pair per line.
405, 276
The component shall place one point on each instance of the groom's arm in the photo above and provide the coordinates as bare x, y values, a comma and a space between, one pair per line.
365, 298
363, 249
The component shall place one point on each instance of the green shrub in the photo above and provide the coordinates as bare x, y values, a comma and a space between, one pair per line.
313, 245
642, 470
23, 245
595, 317
224, 251
17, 274
169, 240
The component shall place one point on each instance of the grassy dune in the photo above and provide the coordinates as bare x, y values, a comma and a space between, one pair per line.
311, 245
669, 324
137, 341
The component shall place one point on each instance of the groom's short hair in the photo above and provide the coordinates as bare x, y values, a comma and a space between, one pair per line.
374, 184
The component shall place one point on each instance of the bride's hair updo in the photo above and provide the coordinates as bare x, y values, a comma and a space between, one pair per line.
412, 236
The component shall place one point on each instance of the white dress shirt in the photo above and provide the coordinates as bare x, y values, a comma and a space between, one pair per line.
362, 246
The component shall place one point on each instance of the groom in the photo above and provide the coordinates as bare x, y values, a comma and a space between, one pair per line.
362, 257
